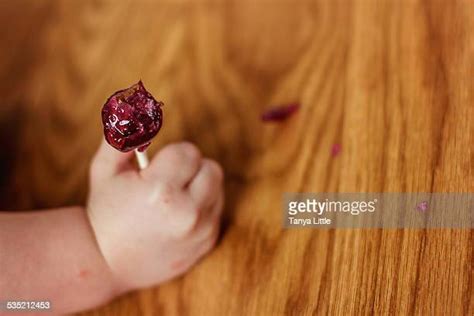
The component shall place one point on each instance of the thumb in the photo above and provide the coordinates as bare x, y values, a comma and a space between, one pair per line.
109, 162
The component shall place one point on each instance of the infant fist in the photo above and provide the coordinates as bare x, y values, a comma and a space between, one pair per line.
154, 224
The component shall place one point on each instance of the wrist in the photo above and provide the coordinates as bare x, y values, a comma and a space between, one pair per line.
116, 285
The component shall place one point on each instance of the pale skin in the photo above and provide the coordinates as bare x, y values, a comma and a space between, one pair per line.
138, 229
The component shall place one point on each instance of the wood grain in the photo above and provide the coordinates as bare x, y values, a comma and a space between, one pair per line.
391, 81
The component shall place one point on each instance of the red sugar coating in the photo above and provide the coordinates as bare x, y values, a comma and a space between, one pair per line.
131, 118
335, 150
280, 113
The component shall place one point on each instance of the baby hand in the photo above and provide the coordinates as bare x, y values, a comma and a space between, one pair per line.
154, 224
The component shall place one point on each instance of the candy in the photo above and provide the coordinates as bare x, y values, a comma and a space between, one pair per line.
280, 113
335, 150
131, 118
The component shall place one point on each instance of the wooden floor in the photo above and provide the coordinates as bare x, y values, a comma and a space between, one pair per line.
391, 81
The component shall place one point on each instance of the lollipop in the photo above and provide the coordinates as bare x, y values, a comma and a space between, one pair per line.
131, 118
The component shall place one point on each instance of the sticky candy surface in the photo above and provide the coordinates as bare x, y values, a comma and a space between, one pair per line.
131, 118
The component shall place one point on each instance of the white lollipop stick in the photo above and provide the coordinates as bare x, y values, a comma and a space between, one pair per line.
142, 159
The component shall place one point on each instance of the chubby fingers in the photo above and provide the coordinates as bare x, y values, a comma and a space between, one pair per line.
175, 165
180, 173
109, 162
207, 193
206, 186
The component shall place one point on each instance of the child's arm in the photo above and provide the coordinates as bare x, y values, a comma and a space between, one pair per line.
53, 256
140, 228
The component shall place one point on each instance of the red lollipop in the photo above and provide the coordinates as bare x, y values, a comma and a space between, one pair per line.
131, 118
